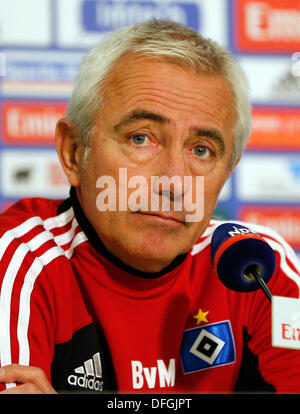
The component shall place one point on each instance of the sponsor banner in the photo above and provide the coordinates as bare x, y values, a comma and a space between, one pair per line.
25, 23
275, 128
40, 90
269, 178
87, 21
40, 73
105, 16
284, 220
42, 65
266, 26
58, 24
272, 79
32, 173
30, 122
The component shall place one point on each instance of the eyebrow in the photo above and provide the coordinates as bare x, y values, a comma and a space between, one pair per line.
138, 114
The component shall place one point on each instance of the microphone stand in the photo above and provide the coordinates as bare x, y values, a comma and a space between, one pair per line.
251, 273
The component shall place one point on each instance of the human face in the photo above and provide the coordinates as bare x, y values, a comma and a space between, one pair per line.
158, 119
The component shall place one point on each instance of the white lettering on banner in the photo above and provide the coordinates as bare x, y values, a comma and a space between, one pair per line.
140, 373
263, 22
118, 14
21, 124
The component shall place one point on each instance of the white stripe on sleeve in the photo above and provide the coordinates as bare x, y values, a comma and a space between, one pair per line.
31, 275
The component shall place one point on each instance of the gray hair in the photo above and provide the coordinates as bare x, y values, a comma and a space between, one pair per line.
165, 40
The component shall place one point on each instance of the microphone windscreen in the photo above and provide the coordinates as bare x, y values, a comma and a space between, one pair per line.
235, 250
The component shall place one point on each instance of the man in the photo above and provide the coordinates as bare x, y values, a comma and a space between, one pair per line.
104, 292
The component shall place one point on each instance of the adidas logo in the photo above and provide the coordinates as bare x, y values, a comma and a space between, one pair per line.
88, 374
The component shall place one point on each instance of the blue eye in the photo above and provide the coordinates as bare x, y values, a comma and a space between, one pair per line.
201, 151
139, 139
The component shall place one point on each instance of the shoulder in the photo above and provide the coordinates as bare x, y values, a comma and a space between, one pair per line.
276, 241
39, 300
287, 261
33, 233
37, 241
32, 211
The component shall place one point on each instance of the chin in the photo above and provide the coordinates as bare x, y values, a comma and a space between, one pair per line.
153, 257
151, 265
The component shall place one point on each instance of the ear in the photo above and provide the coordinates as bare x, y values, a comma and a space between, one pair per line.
69, 149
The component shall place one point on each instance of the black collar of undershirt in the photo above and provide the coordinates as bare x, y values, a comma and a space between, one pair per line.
99, 246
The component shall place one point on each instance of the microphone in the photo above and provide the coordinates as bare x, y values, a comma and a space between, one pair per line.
243, 260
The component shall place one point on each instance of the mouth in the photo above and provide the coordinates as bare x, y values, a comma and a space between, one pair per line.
163, 216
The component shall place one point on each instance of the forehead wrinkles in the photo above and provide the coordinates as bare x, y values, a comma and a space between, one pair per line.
198, 104
131, 84
136, 88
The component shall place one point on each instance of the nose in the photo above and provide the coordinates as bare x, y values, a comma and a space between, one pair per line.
170, 181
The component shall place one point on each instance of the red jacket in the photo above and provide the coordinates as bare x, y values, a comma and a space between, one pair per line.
92, 323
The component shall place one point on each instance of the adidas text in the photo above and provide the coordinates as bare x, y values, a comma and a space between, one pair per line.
90, 374
85, 382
